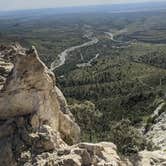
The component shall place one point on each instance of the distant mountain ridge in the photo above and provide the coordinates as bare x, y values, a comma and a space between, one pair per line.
112, 8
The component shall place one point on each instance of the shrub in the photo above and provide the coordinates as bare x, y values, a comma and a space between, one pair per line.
87, 117
127, 138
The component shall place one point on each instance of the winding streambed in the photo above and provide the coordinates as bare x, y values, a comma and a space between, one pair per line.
93, 40
62, 56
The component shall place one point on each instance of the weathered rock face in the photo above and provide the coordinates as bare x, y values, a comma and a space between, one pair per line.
147, 158
30, 105
30, 89
156, 133
35, 122
101, 154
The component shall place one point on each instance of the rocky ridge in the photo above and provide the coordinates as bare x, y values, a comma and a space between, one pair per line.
36, 126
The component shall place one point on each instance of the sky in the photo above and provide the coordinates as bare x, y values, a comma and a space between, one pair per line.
33, 4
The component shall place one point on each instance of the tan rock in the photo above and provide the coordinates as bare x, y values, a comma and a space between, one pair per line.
69, 130
48, 139
156, 133
29, 89
80, 155
86, 157
150, 158
103, 152
62, 100
71, 160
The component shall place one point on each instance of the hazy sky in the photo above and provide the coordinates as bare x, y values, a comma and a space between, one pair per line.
30, 4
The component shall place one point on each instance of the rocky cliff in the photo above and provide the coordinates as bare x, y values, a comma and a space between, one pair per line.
36, 127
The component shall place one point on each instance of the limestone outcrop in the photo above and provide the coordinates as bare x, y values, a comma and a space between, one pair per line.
36, 126
147, 158
156, 132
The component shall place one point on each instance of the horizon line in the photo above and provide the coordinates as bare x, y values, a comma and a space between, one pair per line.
77, 6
